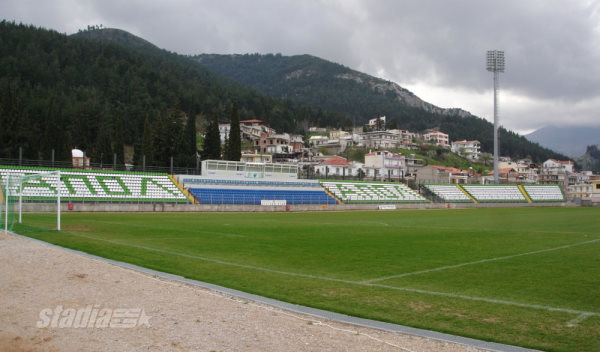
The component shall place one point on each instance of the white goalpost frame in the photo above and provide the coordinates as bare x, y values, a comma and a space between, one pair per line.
21, 179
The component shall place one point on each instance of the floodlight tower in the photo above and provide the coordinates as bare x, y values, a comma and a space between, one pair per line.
495, 64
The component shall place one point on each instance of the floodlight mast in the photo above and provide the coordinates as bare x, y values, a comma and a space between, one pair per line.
495, 64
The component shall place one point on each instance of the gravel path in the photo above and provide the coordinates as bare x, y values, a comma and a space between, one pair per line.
182, 317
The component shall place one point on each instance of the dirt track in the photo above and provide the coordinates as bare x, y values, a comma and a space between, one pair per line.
34, 277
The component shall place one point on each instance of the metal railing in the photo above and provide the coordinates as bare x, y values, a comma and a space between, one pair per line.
99, 166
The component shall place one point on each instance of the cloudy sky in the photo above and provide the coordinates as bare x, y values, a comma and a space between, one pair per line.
435, 48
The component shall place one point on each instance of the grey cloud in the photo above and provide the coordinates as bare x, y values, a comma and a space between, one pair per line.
552, 46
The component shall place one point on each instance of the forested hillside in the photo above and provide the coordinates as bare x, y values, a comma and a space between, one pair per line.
102, 89
99, 90
325, 85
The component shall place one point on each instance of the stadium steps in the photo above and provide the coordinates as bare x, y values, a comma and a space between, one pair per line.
467, 193
184, 191
525, 194
333, 196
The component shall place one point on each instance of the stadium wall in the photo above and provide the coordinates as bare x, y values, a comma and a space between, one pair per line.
169, 207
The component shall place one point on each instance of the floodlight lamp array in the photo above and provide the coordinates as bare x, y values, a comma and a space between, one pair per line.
495, 61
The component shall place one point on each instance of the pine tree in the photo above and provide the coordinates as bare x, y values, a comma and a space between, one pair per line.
102, 149
147, 147
212, 141
118, 143
189, 140
234, 145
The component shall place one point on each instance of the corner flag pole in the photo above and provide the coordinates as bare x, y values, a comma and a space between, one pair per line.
58, 188
21, 203
6, 204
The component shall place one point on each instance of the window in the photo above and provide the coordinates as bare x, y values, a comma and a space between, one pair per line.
597, 185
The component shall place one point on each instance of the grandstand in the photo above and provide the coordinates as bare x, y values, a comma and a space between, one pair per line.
495, 193
230, 182
449, 193
227, 182
259, 196
96, 186
545, 193
370, 192
452, 193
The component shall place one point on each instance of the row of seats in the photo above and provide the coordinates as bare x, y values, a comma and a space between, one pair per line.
97, 186
493, 193
359, 192
255, 196
544, 193
306, 183
449, 193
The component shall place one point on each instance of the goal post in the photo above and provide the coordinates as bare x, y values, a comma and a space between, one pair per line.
17, 187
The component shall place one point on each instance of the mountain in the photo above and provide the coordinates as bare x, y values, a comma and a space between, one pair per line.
571, 141
591, 159
305, 78
321, 84
101, 89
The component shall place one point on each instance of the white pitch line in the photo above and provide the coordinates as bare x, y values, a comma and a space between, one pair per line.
358, 283
489, 300
574, 322
383, 278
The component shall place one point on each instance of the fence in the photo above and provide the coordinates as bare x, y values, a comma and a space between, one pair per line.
100, 166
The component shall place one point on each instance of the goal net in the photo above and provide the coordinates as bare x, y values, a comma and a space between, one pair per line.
17, 188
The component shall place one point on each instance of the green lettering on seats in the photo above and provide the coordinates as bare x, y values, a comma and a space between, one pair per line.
39, 184
66, 178
145, 181
344, 190
124, 190
382, 191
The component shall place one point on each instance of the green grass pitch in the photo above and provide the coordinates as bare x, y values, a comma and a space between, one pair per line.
522, 276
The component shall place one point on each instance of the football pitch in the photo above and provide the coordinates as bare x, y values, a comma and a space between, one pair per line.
521, 276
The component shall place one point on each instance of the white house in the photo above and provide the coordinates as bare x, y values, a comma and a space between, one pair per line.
467, 149
553, 163
384, 164
437, 138
380, 140
334, 166
556, 172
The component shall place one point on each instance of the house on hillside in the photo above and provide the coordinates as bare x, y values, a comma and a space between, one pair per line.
250, 130
556, 172
508, 176
384, 165
467, 149
438, 138
274, 144
380, 140
334, 167
406, 139
256, 158
435, 174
